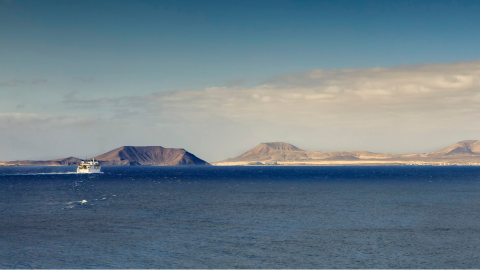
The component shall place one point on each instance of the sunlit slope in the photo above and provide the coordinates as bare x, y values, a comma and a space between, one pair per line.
127, 156
464, 152
149, 155
469, 148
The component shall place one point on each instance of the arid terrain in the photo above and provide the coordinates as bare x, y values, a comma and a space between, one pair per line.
274, 153
126, 156
280, 153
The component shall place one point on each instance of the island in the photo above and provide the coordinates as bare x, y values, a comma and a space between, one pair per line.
126, 156
281, 153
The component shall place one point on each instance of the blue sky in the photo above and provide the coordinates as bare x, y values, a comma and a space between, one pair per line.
74, 59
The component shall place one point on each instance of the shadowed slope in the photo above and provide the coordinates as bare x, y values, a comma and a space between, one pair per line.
464, 152
280, 151
469, 147
149, 155
461, 152
127, 156
270, 151
70, 161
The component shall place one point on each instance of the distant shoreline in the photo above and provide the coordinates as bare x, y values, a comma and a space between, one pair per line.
286, 164
281, 153
351, 163
464, 153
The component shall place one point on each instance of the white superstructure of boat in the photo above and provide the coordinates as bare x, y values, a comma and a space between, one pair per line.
89, 167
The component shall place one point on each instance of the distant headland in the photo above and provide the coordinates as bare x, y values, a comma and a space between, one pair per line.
273, 153
280, 153
126, 156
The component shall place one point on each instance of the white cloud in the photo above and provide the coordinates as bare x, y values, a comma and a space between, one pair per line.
400, 109
422, 96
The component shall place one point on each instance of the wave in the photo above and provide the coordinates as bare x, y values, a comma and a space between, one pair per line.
79, 202
74, 204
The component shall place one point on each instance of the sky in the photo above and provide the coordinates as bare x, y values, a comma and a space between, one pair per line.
80, 77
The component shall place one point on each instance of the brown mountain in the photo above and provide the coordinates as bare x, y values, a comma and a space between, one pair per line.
70, 161
271, 151
470, 147
149, 155
464, 152
127, 156
280, 151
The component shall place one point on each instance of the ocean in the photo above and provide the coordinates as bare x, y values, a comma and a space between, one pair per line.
241, 217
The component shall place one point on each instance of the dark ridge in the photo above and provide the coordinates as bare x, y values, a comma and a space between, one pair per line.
128, 156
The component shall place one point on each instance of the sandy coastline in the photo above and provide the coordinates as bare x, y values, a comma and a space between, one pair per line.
353, 163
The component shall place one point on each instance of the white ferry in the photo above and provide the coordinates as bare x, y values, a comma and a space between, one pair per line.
89, 167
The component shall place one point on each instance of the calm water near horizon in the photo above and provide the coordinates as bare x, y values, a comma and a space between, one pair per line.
241, 217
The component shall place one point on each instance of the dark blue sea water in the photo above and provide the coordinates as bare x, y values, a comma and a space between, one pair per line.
240, 217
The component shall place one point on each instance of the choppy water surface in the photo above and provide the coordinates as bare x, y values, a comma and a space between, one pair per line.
240, 217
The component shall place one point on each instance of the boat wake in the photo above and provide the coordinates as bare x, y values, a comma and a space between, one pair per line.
47, 173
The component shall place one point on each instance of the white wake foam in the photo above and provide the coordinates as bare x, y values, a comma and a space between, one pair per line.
50, 173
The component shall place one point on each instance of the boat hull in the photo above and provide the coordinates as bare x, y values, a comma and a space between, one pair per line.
88, 170
89, 167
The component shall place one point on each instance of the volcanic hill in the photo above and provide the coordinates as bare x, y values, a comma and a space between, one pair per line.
128, 156
470, 147
149, 155
464, 152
